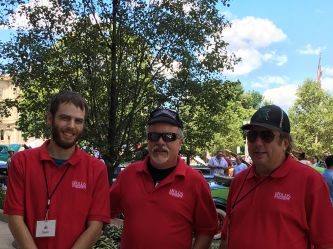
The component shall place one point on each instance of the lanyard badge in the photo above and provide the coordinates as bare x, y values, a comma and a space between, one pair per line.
46, 227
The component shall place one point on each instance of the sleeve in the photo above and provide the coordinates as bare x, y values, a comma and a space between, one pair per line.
15, 195
211, 162
320, 216
116, 197
205, 216
100, 209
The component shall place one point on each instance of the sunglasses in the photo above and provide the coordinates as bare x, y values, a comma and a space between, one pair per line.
166, 136
266, 136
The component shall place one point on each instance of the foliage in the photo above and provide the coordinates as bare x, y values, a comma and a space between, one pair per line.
229, 119
311, 119
125, 57
110, 238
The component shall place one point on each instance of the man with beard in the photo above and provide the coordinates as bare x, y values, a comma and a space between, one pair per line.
57, 195
165, 202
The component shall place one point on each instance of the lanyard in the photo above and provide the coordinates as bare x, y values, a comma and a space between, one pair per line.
49, 196
238, 200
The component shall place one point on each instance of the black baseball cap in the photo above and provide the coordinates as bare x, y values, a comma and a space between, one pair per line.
164, 115
270, 117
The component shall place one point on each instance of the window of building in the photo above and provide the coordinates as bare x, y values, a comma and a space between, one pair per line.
2, 134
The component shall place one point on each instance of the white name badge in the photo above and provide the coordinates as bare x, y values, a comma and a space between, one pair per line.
45, 228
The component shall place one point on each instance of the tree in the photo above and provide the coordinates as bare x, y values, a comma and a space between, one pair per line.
311, 119
125, 57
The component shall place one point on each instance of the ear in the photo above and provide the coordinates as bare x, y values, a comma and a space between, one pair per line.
180, 144
285, 144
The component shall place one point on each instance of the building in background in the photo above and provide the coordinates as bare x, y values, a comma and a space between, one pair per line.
9, 134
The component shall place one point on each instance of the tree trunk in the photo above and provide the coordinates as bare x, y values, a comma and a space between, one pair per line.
113, 93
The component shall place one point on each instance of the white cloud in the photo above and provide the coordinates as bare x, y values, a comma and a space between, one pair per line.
247, 37
251, 60
327, 84
269, 82
269, 79
278, 59
328, 70
283, 96
309, 50
252, 32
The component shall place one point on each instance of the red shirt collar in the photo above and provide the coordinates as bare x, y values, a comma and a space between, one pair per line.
44, 154
279, 172
179, 170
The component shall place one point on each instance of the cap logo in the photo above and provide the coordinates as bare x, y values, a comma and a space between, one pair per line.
264, 114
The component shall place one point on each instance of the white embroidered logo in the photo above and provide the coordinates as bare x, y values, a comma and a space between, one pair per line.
79, 185
176, 193
282, 196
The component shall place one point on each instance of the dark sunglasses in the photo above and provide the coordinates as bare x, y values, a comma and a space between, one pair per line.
166, 136
266, 136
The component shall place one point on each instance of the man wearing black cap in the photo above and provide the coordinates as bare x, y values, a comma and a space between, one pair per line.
165, 202
278, 203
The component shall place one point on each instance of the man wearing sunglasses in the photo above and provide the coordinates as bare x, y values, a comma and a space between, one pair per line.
278, 203
165, 202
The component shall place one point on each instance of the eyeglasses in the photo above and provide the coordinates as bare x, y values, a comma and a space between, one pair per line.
166, 136
267, 136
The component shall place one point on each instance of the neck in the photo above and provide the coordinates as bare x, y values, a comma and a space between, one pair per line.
59, 153
263, 172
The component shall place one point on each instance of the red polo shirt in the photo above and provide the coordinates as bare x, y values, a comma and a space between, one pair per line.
289, 209
81, 196
164, 216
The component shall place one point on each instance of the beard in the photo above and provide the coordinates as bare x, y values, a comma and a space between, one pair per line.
159, 155
56, 137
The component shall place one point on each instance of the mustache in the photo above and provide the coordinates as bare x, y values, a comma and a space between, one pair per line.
160, 148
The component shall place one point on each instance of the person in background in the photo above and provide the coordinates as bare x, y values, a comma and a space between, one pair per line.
321, 162
284, 202
11, 153
302, 159
218, 164
57, 194
240, 166
166, 203
328, 175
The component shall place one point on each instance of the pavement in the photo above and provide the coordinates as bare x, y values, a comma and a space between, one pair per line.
6, 237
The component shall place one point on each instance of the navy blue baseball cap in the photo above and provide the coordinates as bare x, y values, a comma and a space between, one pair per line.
271, 117
164, 115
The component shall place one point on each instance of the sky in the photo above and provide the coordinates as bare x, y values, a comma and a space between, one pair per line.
279, 42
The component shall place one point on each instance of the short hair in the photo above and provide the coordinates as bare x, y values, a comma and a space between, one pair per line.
329, 161
67, 97
285, 135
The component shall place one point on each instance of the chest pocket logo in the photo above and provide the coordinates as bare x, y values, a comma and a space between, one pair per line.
176, 193
79, 185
